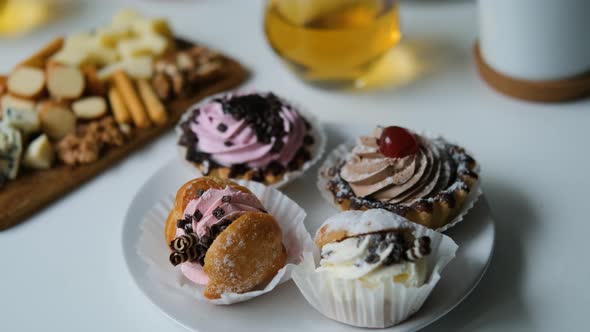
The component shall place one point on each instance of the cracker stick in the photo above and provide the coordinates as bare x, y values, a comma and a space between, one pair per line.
94, 85
39, 57
130, 98
152, 103
3, 86
118, 107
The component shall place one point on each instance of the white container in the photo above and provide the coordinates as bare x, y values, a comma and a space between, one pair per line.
536, 40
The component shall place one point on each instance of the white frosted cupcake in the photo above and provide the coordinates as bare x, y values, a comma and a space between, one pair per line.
376, 268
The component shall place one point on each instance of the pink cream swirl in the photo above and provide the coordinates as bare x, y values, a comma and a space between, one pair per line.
231, 141
231, 202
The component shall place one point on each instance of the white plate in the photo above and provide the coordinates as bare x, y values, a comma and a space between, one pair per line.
285, 309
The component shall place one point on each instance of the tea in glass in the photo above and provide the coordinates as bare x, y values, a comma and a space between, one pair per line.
332, 41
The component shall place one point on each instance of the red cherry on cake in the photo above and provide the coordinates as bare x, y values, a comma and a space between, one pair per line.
397, 142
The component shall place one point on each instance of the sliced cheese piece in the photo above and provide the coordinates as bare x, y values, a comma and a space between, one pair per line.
65, 82
39, 154
90, 108
27, 82
23, 119
11, 147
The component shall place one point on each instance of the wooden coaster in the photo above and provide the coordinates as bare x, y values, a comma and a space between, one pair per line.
542, 91
30, 192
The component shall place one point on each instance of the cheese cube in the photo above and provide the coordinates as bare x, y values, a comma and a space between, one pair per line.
84, 40
125, 17
156, 43
71, 57
157, 26
39, 153
102, 56
110, 36
133, 48
139, 67
107, 72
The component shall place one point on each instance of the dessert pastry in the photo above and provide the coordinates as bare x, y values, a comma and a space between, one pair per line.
255, 136
376, 268
223, 238
374, 257
428, 181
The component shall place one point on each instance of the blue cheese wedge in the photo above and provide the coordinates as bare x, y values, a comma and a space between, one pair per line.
11, 148
23, 119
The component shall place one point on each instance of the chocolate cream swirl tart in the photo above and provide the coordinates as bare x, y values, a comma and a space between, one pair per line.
428, 181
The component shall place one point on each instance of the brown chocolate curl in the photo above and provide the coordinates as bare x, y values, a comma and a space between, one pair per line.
420, 249
184, 242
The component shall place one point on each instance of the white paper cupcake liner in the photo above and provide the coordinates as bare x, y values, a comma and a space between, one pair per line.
317, 149
375, 306
342, 152
154, 250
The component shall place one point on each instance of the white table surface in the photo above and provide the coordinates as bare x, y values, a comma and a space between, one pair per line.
63, 269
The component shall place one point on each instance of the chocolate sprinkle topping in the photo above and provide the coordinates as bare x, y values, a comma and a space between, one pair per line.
200, 192
228, 143
218, 213
222, 127
226, 198
197, 216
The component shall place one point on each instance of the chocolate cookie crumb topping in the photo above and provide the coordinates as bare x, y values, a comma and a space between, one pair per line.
261, 112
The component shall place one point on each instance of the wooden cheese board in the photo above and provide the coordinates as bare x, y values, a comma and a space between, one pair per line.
34, 190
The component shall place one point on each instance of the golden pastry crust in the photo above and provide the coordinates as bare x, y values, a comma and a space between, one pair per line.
269, 177
246, 255
190, 191
434, 214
